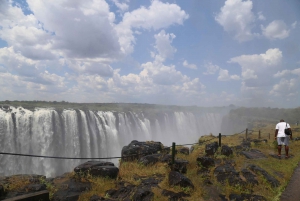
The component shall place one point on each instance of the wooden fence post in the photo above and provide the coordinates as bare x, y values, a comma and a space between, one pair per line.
269, 136
259, 134
246, 133
173, 155
220, 137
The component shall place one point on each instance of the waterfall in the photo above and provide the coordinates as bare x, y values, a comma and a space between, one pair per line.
85, 133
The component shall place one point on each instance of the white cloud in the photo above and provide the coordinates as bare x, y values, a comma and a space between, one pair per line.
122, 6
285, 88
287, 72
261, 16
237, 18
157, 16
163, 44
190, 66
224, 76
259, 65
294, 25
249, 74
75, 35
277, 29
210, 68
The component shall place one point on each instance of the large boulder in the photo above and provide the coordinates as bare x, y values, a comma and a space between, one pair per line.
69, 189
250, 178
253, 154
105, 171
180, 165
227, 172
226, 150
98, 169
136, 150
206, 162
273, 181
177, 179
143, 194
150, 159
87, 166
210, 149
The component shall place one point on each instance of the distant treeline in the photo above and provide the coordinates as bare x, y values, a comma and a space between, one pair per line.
290, 115
120, 107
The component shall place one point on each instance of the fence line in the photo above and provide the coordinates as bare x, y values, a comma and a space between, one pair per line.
59, 157
104, 158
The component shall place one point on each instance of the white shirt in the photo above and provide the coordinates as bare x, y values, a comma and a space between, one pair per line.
281, 126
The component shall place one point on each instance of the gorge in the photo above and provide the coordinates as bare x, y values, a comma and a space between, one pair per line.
90, 133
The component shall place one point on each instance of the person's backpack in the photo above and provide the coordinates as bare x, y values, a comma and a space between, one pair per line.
287, 131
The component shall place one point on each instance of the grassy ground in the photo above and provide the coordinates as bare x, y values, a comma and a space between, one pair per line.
280, 169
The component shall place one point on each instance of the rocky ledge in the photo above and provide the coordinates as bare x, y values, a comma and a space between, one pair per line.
149, 153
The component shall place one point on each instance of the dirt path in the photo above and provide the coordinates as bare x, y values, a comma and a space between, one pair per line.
292, 191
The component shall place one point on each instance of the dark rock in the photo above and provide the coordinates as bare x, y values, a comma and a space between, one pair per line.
253, 154
62, 195
175, 178
150, 182
136, 150
180, 165
250, 178
150, 159
121, 193
86, 167
70, 190
206, 162
242, 197
274, 182
206, 181
143, 194
166, 158
174, 196
227, 151
105, 171
2, 193
210, 149
222, 197
204, 173
35, 187
184, 150
98, 198
227, 172
166, 150
246, 144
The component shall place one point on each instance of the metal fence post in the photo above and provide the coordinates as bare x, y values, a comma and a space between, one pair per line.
173, 155
220, 137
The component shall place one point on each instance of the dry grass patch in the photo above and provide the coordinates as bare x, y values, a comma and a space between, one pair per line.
99, 187
17, 182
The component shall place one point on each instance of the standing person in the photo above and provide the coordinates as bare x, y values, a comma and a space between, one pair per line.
282, 138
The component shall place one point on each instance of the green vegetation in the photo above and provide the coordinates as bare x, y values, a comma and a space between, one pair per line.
118, 107
269, 115
280, 169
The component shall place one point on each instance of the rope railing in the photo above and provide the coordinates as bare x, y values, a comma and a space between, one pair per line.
89, 158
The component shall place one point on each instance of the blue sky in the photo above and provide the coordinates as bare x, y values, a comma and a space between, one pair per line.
205, 53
